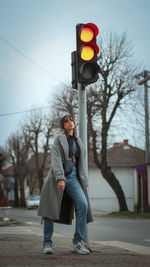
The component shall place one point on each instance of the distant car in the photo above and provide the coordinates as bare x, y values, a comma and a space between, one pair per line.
32, 202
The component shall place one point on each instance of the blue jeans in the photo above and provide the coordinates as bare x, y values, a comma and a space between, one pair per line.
75, 191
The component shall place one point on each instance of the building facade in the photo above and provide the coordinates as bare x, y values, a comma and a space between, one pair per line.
122, 159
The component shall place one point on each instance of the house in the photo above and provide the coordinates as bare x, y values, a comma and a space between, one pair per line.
9, 183
123, 159
32, 182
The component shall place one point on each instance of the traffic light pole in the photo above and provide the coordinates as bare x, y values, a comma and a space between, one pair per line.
85, 70
82, 104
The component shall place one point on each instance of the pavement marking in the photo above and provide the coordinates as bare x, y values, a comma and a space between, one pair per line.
21, 230
33, 223
16, 230
126, 246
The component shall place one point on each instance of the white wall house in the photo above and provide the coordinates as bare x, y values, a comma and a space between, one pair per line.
123, 159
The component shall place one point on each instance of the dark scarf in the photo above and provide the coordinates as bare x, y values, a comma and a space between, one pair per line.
74, 149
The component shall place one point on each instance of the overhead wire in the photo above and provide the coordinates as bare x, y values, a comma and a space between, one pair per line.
20, 112
28, 58
34, 63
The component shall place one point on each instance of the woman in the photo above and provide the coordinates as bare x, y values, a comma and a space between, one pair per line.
61, 194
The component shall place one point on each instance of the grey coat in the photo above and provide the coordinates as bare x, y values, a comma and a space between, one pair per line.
54, 203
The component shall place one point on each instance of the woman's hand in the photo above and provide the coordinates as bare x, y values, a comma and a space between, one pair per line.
61, 185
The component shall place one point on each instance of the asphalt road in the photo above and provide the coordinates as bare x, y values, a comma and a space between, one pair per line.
135, 231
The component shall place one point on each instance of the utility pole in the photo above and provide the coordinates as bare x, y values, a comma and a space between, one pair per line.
147, 151
146, 107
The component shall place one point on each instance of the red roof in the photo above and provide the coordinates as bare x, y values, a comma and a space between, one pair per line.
121, 154
8, 171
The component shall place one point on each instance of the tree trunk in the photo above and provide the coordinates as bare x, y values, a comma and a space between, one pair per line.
16, 193
108, 174
41, 175
115, 185
22, 194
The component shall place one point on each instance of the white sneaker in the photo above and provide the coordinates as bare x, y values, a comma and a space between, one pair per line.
47, 249
81, 248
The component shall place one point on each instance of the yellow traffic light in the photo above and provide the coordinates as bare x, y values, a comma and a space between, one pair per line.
87, 53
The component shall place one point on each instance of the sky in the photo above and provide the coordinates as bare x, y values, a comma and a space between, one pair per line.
36, 41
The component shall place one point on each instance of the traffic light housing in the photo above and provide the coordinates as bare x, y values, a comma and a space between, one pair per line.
74, 69
87, 68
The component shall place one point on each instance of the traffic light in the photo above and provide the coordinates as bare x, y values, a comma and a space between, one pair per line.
87, 68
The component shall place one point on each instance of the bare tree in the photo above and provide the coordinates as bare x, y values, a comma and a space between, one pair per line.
137, 108
105, 97
19, 150
65, 102
3, 161
40, 129
3, 158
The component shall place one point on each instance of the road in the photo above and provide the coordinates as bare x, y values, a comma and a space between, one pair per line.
134, 231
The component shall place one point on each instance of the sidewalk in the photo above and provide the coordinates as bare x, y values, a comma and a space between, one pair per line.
20, 246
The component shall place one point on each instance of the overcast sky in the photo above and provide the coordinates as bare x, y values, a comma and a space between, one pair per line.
38, 36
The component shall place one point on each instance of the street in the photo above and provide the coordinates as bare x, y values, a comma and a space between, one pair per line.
133, 231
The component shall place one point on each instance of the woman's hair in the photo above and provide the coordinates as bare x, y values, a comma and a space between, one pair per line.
62, 120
